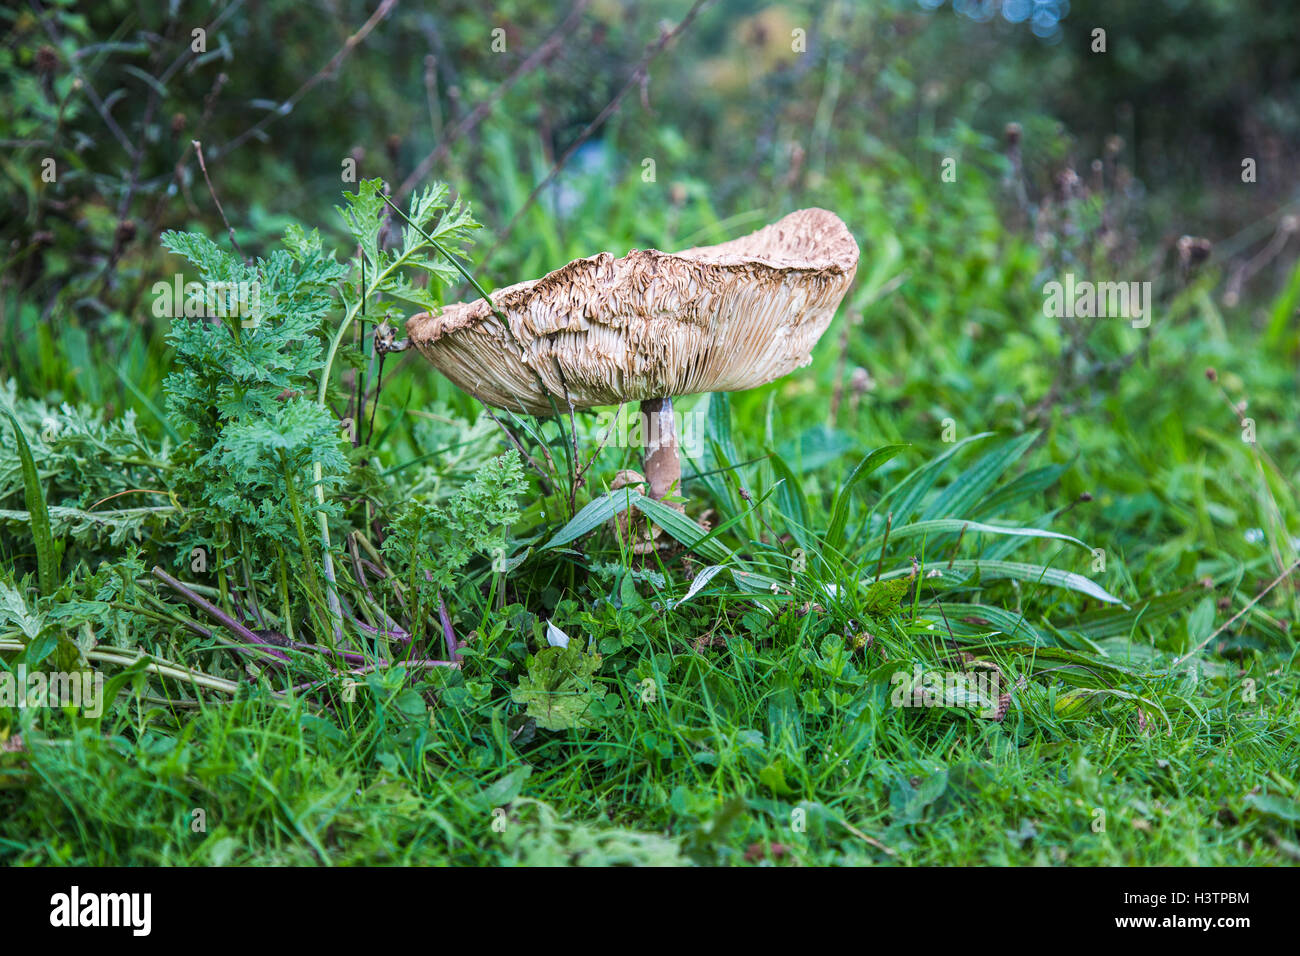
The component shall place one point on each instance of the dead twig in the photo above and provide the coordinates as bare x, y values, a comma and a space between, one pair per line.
198, 151
476, 116
1232, 620
327, 70
635, 81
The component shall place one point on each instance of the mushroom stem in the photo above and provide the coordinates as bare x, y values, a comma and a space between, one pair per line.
663, 463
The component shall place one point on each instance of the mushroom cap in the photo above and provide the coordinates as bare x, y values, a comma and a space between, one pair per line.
603, 331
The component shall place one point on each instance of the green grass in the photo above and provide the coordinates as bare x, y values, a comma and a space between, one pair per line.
752, 720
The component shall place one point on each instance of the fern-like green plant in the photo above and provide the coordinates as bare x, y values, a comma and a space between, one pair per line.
253, 444
428, 545
262, 457
438, 228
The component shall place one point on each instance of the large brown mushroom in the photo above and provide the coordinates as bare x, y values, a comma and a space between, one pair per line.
650, 326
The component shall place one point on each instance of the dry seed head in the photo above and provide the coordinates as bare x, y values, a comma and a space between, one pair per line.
46, 60
1193, 250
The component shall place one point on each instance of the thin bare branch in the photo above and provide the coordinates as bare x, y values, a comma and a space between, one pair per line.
635, 81
480, 112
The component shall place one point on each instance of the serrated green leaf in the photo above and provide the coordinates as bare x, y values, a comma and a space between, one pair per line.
14, 610
559, 689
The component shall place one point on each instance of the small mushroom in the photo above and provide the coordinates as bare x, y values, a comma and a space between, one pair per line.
649, 327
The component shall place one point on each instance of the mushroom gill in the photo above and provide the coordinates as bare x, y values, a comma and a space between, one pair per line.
651, 325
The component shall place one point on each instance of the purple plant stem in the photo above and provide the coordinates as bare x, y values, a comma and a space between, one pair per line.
453, 645
392, 634
380, 573
350, 656
423, 665
218, 615
359, 569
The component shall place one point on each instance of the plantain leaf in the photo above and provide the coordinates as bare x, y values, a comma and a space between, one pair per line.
596, 513
840, 509
906, 496
971, 484
1033, 573
678, 526
975, 620
1021, 488
947, 525
683, 529
703, 577
1123, 622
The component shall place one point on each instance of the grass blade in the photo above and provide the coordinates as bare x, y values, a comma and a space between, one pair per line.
47, 560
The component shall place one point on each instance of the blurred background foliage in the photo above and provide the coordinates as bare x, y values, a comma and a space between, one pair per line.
754, 105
